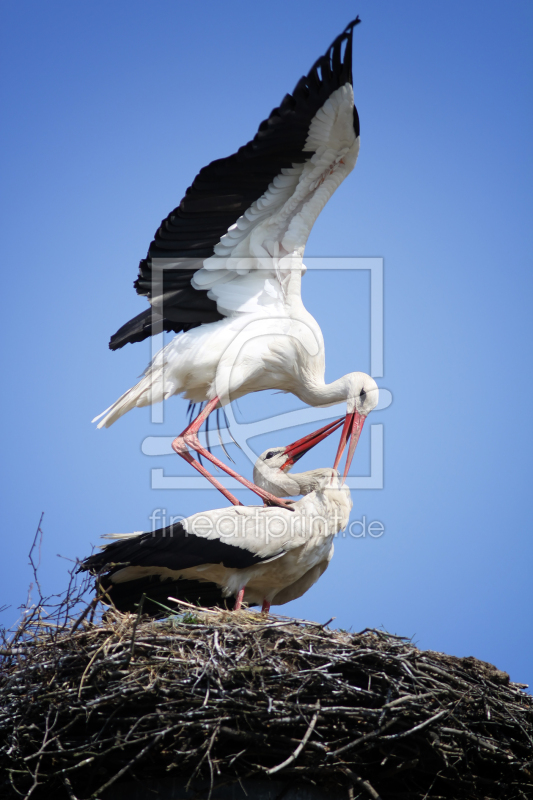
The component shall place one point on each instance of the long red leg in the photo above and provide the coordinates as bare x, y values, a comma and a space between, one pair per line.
189, 438
238, 601
202, 470
266, 607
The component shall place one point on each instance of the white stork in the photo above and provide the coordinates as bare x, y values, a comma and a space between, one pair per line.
262, 555
224, 269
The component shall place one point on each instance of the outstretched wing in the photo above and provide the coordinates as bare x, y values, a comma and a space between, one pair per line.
260, 202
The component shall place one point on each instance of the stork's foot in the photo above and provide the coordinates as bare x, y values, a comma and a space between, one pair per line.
270, 501
180, 447
266, 607
189, 439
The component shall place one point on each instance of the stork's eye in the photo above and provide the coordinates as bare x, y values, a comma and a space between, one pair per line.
270, 454
362, 395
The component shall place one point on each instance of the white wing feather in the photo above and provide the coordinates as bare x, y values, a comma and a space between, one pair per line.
273, 232
250, 274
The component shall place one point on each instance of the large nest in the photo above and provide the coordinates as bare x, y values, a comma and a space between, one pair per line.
211, 697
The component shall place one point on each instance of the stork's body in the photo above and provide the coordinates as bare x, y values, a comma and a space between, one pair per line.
224, 270
262, 555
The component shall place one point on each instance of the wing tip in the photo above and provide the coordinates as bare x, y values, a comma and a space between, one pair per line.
330, 71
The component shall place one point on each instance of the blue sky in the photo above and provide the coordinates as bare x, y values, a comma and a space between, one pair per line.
111, 111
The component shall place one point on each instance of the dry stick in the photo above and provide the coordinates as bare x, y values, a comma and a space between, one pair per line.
53, 739
130, 764
13, 652
70, 790
207, 755
481, 740
37, 766
526, 734
433, 782
300, 747
200, 609
365, 738
86, 670
417, 697
92, 605
202, 645
119, 746
137, 618
369, 789
263, 738
35, 567
23, 627
382, 634
417, 727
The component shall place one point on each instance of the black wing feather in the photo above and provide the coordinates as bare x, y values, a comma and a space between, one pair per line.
220, 194
172, 547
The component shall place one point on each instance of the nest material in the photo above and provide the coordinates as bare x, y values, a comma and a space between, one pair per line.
219, 696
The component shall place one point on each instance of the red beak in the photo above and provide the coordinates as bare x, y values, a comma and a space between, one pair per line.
297, 449
353, 425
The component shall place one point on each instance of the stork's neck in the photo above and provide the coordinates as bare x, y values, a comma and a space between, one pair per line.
316, 393
310, 480
312, 389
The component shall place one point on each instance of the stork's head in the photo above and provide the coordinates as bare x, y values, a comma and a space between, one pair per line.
272, 467
361, 397
362, 393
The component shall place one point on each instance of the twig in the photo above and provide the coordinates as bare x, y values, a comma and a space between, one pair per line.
135, 624
89, 665
128, 766
300, 747
226, 683
365, 738
92, 605
422, 725
34, 566
200, 609
366, 785
68, 787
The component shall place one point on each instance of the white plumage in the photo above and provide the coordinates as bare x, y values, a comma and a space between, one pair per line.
266, 338
262, 555
255, 278
295, 546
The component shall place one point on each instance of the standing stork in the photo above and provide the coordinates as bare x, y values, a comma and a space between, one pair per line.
258, 554
224, 270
